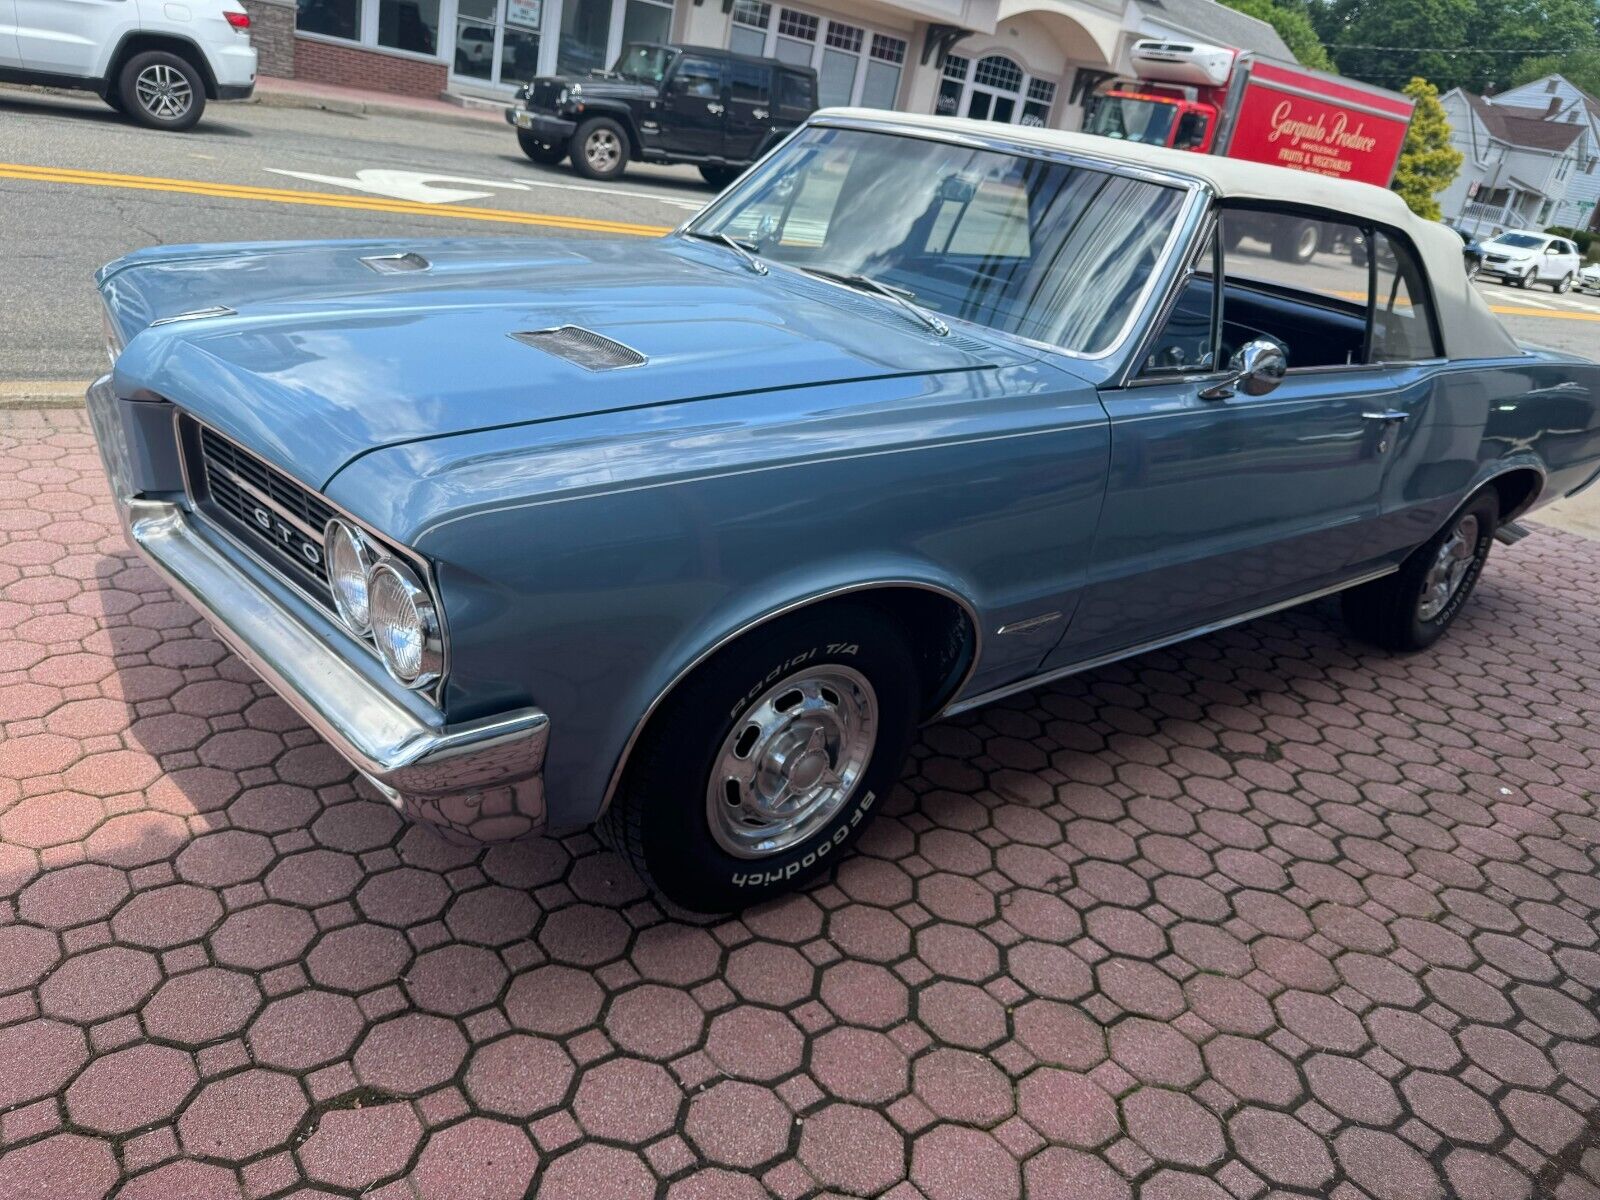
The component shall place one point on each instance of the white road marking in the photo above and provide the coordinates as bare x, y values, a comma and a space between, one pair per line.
421, 187
691, 205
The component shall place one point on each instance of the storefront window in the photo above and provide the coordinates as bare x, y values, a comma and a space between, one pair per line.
585, 30
331, 18
882, 84
647, 21
409, 25
750, 21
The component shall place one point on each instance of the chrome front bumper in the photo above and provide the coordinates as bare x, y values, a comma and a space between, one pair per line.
480, 781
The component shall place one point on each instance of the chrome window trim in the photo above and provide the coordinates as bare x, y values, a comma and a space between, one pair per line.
958, 706
1197, 197
434, 691
726, 639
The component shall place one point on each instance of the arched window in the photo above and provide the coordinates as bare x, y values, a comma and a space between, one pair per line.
995, 88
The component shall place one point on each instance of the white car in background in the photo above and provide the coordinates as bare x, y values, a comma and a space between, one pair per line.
157, 61
1524, 258
1589, 279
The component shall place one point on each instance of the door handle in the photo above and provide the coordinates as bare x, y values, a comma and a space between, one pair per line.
759, 114
1392, 416
714, 108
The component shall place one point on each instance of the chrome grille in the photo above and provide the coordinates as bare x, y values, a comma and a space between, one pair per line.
278, 518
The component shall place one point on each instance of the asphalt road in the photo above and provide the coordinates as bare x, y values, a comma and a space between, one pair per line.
79, 187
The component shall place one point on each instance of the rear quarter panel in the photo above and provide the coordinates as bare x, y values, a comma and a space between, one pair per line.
584, 563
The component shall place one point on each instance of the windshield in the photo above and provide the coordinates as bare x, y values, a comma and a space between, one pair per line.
647, 64
1053, 252
1147, 121
1521, 241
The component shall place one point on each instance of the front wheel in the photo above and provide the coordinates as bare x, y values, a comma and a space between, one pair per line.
761, 769
1411, 609
719, 177
540, 152
1525, 281
161, 90
599, 149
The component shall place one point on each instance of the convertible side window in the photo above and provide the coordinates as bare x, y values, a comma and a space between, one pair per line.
1404, 325
1186, 344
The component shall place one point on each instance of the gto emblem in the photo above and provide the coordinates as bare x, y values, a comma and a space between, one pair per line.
287, 536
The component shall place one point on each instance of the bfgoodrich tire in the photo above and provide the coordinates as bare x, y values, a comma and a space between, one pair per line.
540, 152
760, 770
599, 149
1411, 609
719, 177
161, 90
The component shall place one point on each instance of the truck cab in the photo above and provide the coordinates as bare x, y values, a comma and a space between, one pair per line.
1156, 115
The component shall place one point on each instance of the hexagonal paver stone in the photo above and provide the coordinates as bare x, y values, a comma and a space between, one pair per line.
1451, 1107
961, 1014
100, 984
1051, 971
519, 1075
767, 973
1067, 1108
402, 897
492, 916
584, 935
653, 1021
852, 1149
243, 1115
554, 1000
861, 993
74, 1165
1252, 1070
26, 956
1352, 1089
39, 1057
714, 1183
72, 896
1386, 1167
1281, 1149
140, 1085
314, 877
356, 1148
263, 936
359, 958
410, 1054
1154, 1052
187, 1179
305, 1030
455, 979
594, 1170
1060, 1035
625, 1100
952, 1163
167, 916
202, 1006
859, 1064
675, 954
1173, 1128
484, 1159
738, 1124
1057, 1174
755, 1043
960, 1085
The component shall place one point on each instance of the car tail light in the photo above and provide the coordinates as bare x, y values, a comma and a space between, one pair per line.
238, 20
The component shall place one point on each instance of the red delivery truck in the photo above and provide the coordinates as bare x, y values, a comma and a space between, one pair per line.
1219, 101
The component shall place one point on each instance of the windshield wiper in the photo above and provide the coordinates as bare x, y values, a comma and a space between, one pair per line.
895, 295
738, 247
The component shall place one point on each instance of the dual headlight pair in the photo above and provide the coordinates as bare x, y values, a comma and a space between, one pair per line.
379, 597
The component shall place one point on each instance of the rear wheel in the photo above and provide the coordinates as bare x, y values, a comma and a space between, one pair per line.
719, 177
766, 763
1564, 284
599, 149
541, 152
161, 90
1295, 241
1411, 609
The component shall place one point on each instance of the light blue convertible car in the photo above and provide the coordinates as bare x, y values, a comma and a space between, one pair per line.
686, 537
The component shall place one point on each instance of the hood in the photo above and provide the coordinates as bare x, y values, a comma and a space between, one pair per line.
311, 357
542, 91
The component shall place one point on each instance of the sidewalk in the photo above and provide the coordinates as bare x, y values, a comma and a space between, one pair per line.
300, 93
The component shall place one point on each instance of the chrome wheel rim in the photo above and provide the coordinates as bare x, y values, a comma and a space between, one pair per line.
1449, 568
163, 91
602, 150
791, 761
1308, 243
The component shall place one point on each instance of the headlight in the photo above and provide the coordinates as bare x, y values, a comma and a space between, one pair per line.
349, 563
405, 626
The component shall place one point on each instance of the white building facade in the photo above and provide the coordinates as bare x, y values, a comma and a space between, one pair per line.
1017, 61
1530, 158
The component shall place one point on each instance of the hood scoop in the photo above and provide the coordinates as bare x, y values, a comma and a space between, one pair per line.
396, 264
586, 348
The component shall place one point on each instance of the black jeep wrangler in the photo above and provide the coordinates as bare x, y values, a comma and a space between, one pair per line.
666, 104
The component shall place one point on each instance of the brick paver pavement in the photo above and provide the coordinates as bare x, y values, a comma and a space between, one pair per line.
1269, 913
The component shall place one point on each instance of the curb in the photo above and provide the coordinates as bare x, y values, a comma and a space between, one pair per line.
42, 393
358, 108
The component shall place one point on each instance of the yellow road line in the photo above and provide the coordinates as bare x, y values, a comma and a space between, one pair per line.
229, 191
1560, 314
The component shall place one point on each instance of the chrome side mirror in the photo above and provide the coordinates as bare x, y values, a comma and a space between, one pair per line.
1257, 367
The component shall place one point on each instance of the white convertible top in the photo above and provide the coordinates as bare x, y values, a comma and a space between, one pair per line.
1467, 326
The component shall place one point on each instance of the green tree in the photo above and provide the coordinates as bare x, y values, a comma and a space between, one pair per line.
1428, 162
1581, 67
1293, 26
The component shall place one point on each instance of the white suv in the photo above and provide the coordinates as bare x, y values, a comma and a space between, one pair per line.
1525, 258
158, 61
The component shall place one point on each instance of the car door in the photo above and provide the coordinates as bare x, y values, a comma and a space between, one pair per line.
9, 56
70, 37
695, 106
1220, 503
749, 114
